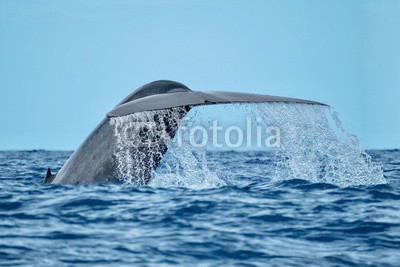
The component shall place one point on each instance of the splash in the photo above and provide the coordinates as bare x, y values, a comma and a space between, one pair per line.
316, 147
143, 138
185, 165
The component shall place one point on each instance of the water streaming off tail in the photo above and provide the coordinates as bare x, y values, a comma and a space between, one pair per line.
185, 165
141, 141
314, 146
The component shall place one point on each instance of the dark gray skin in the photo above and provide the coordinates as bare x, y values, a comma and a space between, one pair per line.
94, 160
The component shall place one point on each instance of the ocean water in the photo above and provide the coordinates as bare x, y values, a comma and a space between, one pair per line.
253, 218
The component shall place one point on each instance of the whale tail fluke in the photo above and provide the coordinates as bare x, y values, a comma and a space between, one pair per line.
129, 144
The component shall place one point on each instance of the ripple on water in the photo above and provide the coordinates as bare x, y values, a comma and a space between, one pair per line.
252, 220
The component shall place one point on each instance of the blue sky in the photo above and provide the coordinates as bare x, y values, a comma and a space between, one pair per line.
64, 64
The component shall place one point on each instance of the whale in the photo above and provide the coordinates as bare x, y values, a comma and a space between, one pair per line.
95, 161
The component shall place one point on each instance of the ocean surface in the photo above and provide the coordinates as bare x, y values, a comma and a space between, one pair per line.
253, 219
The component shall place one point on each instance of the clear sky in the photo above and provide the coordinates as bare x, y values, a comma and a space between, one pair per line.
64, 64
